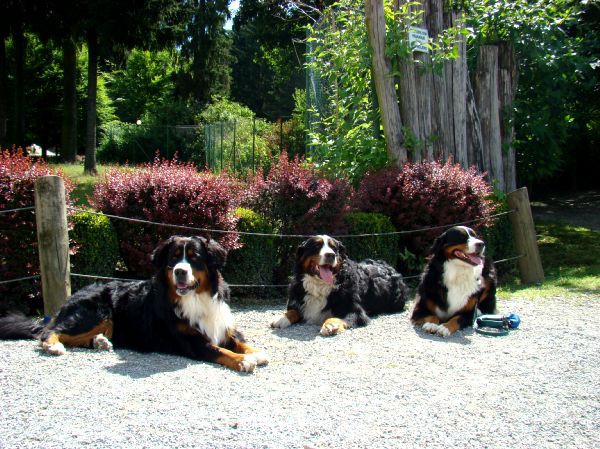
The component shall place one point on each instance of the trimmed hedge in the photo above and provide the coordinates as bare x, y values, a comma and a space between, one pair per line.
255, 262
498, 239
425, 195
98, 248
374, 247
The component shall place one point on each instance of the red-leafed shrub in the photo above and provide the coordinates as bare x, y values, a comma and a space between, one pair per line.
298, 200
423, 195
18, 238
168, 192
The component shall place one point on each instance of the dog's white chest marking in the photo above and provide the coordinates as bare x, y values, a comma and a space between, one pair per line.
208, 314
315, 299
462, 281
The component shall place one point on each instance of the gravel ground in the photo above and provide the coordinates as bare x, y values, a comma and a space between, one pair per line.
385, 385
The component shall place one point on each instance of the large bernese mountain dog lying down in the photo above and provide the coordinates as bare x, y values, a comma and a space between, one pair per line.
182, 310
331, 290
457, 280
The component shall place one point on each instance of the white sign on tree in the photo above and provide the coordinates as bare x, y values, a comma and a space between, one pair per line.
418, 39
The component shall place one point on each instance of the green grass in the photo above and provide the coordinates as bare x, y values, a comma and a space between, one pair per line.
84, 184
571, 261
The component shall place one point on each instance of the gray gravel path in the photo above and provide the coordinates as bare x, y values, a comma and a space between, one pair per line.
383, 386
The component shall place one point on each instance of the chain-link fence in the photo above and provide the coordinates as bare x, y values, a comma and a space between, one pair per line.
127, 142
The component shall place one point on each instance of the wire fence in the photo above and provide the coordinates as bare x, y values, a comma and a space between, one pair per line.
258, 234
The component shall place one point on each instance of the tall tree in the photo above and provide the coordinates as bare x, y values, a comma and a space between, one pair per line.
269, 46
205, 48
69, 115
121, 24
384, 82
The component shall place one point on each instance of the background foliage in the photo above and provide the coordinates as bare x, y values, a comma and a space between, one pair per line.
165, 192
18, 234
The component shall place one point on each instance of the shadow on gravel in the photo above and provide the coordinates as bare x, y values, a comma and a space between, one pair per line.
298, 332
458, 338
140, 366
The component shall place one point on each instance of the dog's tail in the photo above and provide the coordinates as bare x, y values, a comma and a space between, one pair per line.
19, 327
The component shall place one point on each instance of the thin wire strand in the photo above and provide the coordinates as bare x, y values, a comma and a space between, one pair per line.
20, 209
219, 231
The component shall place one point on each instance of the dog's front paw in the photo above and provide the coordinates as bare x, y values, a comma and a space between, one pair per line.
280, 323
54, 348
247, 364
432, 328
260, 357
443, 331
333, 326
101, 342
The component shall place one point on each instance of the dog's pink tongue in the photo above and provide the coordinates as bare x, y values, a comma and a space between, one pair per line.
326, 274
476, 260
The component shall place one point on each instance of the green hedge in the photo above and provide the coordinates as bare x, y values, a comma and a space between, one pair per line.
255, 261
98, 248
499, 242
375, 247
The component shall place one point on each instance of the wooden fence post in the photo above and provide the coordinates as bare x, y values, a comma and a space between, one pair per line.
530, 265
53, 241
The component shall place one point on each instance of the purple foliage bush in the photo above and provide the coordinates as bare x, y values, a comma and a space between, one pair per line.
426, 194
297, 200
169, 192
18, 235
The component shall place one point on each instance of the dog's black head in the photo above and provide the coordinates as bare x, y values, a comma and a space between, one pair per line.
190, 264
459, 243
320, 256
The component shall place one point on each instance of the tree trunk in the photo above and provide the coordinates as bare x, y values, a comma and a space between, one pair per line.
488, 106
456, 83
508, 79
19, 48
3, 95
410, 102
384, 82
441, 125
92, 90
69, 119
474, 137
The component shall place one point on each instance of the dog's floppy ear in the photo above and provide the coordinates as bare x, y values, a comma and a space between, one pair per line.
301, 247
438, 245
217, 255
161, 253
341, 249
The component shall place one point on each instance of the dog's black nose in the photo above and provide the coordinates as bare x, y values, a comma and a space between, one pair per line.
179, 272
479, 246
329, 258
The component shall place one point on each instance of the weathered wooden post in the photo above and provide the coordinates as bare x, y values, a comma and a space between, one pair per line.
53, 241
530, 265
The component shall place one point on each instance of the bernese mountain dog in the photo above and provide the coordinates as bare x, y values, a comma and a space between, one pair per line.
333, 291
181, 310
457, 280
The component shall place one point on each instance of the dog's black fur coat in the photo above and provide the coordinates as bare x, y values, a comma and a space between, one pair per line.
145, 315
361, 289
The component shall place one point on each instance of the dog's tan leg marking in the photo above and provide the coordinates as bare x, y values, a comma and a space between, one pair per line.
244, 363
333, 326
55, 342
